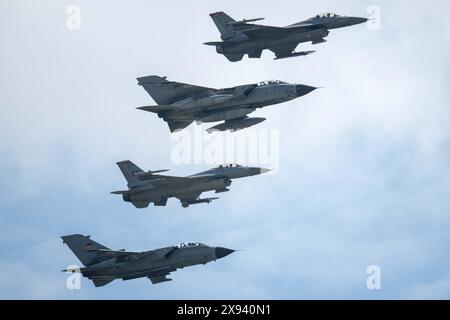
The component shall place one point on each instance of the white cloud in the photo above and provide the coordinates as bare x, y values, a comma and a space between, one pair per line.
363, 173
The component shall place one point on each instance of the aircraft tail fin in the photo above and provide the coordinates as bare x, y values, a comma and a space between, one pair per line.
223, 22
129, 171
157, 87
83, 247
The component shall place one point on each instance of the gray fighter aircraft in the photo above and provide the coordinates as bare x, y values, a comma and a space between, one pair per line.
242, 37
103, 265
180, 104
147, 187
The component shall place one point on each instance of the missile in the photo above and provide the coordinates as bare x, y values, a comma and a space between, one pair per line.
72, 270
149, 175
142, 174
156, 171
236, 124
186, 203
244, 21
295, 54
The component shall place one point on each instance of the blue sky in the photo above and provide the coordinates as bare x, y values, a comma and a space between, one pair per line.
363, 175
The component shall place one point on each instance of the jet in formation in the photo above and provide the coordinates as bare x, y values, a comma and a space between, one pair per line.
103, 265
242, 37
150, 186
180, 104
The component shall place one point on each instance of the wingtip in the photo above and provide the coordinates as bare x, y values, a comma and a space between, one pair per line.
216, 13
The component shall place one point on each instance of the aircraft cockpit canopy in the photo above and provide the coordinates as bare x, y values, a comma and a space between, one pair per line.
327, 15
229, 165
270, 83
190, 244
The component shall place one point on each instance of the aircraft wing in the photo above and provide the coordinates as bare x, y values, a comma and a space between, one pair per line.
157, 180
168, 92
120, 255
261, 31
116, 252
161, 180
207, 177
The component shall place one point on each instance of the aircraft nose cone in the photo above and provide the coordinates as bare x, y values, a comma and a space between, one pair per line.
357, 20
254, 171
223, 252
301, 89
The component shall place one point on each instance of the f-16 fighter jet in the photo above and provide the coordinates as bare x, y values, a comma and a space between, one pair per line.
180, 104
147, 187
242, 37
103, 265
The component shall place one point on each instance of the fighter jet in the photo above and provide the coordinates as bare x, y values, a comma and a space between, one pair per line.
147, 187
180, 104
242, 37
103, 265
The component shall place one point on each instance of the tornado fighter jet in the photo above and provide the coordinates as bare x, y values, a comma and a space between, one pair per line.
242, 37
150, 186
180, 104
103, 265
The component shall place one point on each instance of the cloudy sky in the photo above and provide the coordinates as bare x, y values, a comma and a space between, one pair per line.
363, 164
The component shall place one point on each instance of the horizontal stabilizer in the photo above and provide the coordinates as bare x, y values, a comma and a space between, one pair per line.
213, 43
121, 192
158, 109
